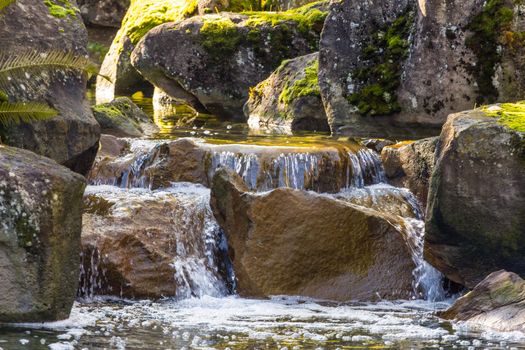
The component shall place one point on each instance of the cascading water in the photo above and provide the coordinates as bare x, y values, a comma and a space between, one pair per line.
354, 175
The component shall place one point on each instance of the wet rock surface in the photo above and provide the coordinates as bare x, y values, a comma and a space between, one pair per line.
375, 60
476, 202
71, 138
289, 100
497, 302
143, 244
288, 242
410, 164
40, 216
211, 61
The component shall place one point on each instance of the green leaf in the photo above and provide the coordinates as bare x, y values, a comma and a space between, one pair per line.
24, 112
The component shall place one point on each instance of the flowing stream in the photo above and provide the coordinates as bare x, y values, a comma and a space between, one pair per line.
205, 312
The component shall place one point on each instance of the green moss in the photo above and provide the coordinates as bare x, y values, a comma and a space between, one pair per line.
60, 8
376, 83
220, 35
307, 18
511, 115
253, 5
307, 86
488, 33
144, 15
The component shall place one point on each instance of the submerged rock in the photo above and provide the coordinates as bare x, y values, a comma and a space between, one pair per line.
497, 302
150, 244
212, 61
122, 118
289, 242
476, 202
103, 13
375, 58
289, 100
410, 164
71, 138
40, 216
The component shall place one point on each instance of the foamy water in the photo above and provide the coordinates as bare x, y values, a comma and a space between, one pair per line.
237, 323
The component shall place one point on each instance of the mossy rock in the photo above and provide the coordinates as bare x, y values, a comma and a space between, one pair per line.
121, 118
289, 100
235, 52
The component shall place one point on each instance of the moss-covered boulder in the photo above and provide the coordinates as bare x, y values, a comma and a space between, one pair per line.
410, 164
375, 60
497, 302
476, 203
103, 13
71, 138
40, 216
289, 100
141, 17
122, 118
290, 242
212, 61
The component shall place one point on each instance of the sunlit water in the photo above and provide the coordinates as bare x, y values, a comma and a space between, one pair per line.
224, 321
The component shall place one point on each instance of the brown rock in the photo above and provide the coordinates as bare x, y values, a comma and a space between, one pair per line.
410, 165
300, 243
497, 302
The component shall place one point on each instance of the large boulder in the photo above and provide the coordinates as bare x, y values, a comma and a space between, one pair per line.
497, 302
299, 243
103, 13
410, 164
289, 100
71, 138
41, 216
212, 61
150, 244
122, 118
375, 58
476, 202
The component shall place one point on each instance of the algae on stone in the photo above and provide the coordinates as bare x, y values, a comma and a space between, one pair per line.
309, 85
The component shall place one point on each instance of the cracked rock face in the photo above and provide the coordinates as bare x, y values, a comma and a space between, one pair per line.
40, 225
72, 137
379, 78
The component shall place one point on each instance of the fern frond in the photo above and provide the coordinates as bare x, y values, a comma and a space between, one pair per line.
23, 65
5, 3
24, 112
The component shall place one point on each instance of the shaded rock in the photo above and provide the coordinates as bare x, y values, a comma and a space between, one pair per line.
476, 201
410, 164
497, 302
375, 58
40, 212
377, 144
289, 242
111, 147
72, 137
143, 244
104, 13
211, 61
122, 118
289, 100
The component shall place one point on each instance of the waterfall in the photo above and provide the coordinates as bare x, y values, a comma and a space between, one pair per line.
402, 203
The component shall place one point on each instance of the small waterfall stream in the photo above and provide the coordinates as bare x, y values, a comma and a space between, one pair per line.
350, 174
